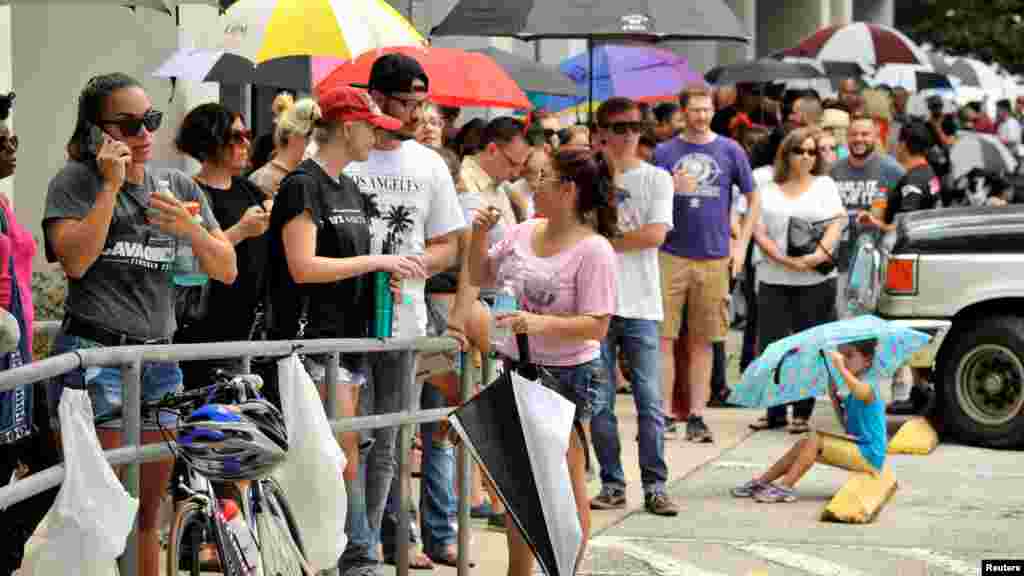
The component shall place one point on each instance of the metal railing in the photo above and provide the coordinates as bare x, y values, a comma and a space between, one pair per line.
130, 359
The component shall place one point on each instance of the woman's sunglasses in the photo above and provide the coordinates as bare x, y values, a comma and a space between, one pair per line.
809, 152
132, 126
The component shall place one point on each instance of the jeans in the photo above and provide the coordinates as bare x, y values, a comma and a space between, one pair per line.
639, 340
368, 495
438, 504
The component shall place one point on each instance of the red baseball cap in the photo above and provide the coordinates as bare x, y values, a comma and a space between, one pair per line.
345, 103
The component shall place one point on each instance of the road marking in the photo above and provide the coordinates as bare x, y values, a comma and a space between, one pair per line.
933, 558
809, 564
660, 564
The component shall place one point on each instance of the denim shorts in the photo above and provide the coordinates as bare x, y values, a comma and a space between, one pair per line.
104, 386
580, 384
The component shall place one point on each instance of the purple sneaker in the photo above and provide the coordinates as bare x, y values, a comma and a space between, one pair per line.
749, 489
773, 493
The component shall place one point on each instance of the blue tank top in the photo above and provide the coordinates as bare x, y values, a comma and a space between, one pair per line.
867, 422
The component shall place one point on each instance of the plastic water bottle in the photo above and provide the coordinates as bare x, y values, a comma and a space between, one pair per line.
187, 270
407, 323
505, 303
161, 245
240, 533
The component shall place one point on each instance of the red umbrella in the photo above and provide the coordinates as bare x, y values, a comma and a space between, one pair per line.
457, 77
869, 44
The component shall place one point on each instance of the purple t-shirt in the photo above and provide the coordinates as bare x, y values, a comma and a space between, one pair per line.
701, 219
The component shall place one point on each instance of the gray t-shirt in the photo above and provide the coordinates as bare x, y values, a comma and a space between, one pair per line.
128, 289
858, 188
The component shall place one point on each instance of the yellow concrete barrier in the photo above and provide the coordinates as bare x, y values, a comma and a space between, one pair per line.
916, 436
861, 499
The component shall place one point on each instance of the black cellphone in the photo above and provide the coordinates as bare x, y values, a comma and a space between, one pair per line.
94, 140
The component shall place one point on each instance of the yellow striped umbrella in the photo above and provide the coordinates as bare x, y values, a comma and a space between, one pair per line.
328, 28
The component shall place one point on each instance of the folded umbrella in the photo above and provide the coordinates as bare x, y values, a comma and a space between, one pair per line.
796, 367
518, 430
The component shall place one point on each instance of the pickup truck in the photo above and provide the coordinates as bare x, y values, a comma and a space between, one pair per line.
958, 274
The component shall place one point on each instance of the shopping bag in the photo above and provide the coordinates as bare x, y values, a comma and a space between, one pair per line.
311, 475
88, 525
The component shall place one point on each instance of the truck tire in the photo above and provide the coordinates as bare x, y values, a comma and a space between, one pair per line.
982, 388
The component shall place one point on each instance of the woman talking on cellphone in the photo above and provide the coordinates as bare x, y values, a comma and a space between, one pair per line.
110, 221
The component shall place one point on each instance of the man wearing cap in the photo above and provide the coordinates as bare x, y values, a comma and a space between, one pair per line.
414, 211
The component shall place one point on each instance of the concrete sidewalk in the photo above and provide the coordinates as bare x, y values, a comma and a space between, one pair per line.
684, 458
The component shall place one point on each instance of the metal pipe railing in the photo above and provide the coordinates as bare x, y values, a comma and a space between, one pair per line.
130, 359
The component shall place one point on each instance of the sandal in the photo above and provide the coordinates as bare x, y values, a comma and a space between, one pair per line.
763, 423
799, 426
450, 558
417, 560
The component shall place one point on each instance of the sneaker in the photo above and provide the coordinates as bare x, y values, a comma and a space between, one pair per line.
496, 522
671, 429
609, 499
749, 489
697, 431
660, 504
773, 493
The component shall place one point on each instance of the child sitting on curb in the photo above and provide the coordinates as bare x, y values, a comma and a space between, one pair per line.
863, 416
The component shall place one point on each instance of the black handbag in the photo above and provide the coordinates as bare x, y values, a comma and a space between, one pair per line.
803, 238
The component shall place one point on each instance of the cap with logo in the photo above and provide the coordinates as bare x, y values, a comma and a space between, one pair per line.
396, 73
344, 103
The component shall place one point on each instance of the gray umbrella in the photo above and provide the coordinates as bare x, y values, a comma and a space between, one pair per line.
977, 150
532, 76
939, 64
967, 74
647, 20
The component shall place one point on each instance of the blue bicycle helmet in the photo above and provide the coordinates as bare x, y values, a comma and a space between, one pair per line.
229, 442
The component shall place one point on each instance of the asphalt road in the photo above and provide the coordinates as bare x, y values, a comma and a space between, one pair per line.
954, 508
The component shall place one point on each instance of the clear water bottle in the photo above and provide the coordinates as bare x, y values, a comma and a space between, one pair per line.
159, 244
242, 536
505, 303
187, 270
407, 324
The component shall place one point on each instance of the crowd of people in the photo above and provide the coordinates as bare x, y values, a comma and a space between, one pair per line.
617, 238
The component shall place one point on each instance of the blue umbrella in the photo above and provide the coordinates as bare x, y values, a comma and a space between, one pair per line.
796, 367
630, 71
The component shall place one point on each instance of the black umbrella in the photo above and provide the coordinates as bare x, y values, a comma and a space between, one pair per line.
594, 20
530, 75
759, 71
518, 430
287, 72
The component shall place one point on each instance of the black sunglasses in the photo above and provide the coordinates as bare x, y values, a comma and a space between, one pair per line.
624, 127
810, 152
131, 126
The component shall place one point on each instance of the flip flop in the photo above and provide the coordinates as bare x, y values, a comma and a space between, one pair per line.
763, 423
799, 427
417, 561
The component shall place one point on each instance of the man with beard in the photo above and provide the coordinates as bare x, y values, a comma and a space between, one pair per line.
864, 178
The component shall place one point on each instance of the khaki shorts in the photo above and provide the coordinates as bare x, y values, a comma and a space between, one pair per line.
842, 453
702, 287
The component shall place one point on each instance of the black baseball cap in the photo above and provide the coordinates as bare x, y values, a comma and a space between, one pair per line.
395, 72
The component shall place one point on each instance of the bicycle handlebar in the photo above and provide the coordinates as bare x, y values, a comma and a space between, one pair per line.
228, 389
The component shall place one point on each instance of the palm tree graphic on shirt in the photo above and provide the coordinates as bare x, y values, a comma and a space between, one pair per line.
399, 222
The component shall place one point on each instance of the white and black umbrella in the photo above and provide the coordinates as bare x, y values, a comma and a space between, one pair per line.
912, 77
518, 430
977, 150
975, 73
202, 65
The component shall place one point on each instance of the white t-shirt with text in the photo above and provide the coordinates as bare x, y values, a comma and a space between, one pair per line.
410, 199
648, 200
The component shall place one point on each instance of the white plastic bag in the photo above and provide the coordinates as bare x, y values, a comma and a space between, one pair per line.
311, 476
88, 525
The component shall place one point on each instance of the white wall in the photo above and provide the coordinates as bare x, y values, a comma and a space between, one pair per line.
56, 48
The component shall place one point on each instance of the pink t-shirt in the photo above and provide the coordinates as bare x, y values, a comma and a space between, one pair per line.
574, 282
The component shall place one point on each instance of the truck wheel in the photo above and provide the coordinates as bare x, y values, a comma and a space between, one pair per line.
983, 384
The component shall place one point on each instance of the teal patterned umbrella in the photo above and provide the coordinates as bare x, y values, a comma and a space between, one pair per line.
796, 367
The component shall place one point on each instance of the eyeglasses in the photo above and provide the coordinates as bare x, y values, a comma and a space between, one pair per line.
8, 143
411, 104
809, 152
624, 127
243, 136
131, 126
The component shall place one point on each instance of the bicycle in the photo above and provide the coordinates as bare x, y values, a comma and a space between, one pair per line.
228, 435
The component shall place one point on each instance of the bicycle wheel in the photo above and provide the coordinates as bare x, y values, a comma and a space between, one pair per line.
192, 531
280, 543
